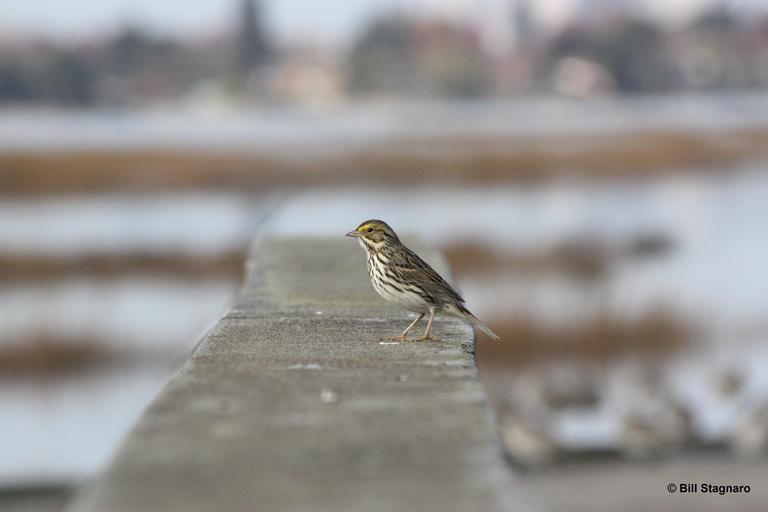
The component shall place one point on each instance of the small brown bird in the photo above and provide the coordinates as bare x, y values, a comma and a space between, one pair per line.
400, 276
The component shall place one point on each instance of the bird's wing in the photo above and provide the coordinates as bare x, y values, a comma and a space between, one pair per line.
413, 269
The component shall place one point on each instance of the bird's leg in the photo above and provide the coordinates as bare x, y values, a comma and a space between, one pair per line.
405, 332
404, 335
426, 336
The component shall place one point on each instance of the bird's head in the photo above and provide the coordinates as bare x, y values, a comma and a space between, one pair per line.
374, 233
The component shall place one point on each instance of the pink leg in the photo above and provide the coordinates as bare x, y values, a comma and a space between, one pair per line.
404, 335
426, 336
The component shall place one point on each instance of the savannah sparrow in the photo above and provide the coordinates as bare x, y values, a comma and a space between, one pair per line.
400, 276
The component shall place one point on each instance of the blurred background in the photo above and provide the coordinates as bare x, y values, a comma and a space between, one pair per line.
594, 171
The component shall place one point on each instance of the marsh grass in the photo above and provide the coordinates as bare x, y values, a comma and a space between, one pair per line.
603, 337
17, 267
585, 259
446, 160
43, 355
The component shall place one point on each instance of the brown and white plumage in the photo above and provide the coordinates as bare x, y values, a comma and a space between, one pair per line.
399, 275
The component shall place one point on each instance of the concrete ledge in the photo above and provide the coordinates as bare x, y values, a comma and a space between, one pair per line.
292, 404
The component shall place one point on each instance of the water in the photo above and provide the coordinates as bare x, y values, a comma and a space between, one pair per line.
66, 428
150, 314
287, 131
69, 428
718, 225
196, 223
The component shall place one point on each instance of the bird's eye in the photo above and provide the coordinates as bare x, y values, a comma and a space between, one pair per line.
370, 230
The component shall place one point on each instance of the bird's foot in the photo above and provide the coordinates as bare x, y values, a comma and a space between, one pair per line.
396, 338
427, 338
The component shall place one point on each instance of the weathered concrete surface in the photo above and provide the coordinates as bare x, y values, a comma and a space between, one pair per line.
292, 404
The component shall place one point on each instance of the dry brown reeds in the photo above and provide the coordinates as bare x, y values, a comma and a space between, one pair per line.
31, 267
49, 354
413, 161
657, 332
42, 356
585, 259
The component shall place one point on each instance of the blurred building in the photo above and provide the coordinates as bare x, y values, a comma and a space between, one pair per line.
457, 50
254, 48
308, 76
398, 56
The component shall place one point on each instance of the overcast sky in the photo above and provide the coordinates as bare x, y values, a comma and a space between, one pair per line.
291, 20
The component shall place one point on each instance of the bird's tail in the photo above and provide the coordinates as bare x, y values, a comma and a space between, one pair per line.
480, 325
462, 312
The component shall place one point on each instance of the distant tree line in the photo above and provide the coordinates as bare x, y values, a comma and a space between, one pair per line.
131, 66
397, 56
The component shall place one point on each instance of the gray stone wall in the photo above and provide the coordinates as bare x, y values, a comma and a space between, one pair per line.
291, 403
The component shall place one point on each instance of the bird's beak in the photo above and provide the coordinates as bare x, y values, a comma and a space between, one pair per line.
354, 234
